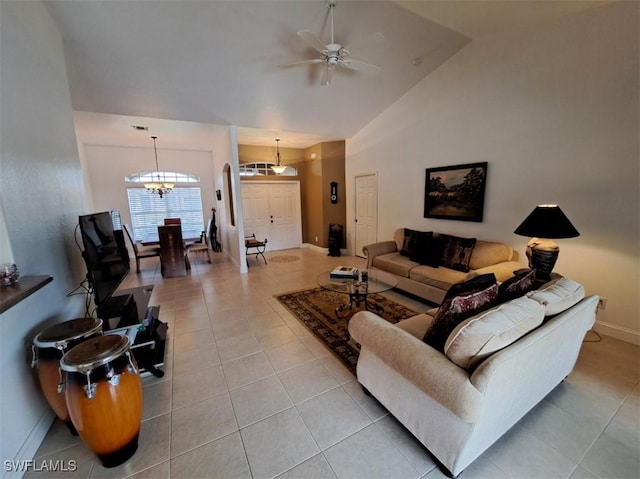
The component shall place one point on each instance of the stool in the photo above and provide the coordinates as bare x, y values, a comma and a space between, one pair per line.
259, 246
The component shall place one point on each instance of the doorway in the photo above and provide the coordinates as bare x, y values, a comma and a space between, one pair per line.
366, 211
272, 211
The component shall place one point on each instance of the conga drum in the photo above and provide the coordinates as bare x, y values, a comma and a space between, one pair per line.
48, 348
104, 396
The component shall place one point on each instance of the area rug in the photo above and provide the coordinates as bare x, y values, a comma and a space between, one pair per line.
284, 258
315, 308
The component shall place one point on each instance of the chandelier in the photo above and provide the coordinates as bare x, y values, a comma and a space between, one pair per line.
159, 187
278, 168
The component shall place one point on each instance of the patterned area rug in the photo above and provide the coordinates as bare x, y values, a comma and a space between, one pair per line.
284, 258
315, 308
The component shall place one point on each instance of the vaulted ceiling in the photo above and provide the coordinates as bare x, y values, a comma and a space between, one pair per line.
220, 62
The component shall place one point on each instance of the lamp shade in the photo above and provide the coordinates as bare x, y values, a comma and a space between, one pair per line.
547, 221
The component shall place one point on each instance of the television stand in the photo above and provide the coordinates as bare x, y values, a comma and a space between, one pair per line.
147, 335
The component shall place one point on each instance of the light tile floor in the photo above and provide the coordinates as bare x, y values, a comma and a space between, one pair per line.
249, 392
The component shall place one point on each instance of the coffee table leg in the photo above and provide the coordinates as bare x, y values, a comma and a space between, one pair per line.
344, 309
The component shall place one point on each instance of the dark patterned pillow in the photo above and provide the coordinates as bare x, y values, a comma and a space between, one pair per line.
457, 252
477, 283
428, 249
518, 285
408, 242
455, 310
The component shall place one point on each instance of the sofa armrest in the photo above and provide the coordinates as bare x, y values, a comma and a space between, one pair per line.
376, 249
503, 271
425, 367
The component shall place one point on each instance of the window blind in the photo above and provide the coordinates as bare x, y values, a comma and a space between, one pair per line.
148, 210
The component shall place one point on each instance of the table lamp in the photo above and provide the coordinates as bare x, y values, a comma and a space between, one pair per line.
543, 225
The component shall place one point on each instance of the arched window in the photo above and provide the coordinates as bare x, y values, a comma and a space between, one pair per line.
264, 169
162, 176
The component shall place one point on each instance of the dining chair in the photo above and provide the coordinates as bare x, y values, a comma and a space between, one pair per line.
139, 250
203, 245
172, 221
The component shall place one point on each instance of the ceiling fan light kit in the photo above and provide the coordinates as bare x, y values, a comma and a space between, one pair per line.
334, 54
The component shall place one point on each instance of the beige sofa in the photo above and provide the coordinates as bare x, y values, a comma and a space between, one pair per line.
458, 412
432, 283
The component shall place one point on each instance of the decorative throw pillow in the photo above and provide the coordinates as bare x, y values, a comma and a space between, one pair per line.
477, 283
518, 285
455, 310
409, 242
457, 252
428, 249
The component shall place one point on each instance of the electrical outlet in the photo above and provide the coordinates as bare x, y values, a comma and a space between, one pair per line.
316, 239
602, 303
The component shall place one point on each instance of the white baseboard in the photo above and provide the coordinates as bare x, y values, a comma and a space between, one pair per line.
618, 332
31, 444
319, 249
313, 247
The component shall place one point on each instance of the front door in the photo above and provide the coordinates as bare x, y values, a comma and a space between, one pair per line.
272, 211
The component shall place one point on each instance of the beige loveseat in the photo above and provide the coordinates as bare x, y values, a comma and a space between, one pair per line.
459, 402
432, 283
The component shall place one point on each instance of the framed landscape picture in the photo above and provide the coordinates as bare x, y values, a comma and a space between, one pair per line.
455, 192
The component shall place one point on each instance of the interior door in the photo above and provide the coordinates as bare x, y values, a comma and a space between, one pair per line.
366, 197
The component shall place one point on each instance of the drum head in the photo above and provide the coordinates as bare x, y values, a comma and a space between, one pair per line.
67, 331
94, 352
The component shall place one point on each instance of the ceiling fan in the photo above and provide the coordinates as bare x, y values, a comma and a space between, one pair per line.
335, 55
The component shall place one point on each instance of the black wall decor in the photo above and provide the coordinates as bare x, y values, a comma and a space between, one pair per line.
334, 192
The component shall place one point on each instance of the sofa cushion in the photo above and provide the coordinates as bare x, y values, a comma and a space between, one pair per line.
394, 263
457, 252
558, 296
441, 278
409, 242
518, 285
455, 310
428, 249
478, 337
488, 253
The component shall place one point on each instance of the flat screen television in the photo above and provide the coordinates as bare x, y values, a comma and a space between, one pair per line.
105, 254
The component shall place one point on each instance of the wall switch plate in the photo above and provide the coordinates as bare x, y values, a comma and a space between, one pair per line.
602, 303
316, 239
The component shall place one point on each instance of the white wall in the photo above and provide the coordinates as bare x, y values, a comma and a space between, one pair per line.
555, 114
107, 165
225, 155
42, 196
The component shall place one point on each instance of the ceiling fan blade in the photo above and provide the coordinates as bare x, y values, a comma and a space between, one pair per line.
312, 40
303, 62
370, 40
360, 66
327, 76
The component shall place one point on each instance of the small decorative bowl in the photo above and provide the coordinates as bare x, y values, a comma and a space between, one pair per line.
9, 274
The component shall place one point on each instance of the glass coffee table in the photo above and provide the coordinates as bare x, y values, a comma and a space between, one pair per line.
357, 290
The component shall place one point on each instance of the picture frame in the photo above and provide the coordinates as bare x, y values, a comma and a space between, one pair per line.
455, 192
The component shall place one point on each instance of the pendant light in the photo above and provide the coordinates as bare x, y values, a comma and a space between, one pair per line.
158, 187
278, 168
